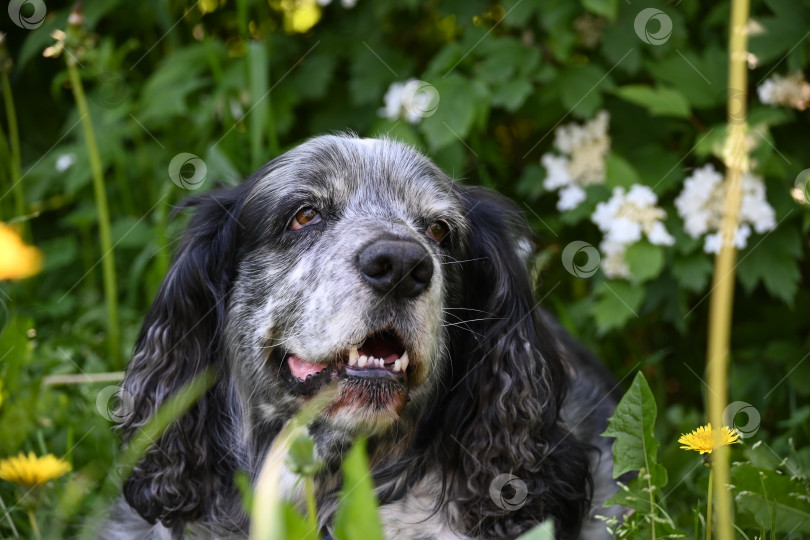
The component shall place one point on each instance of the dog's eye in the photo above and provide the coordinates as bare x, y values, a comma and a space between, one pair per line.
437, 231
305, 216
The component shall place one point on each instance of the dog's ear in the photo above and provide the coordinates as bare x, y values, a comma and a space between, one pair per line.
188, 469
507, 384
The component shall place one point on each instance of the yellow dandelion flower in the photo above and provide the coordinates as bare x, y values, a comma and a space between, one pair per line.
32, 470
19, 260
704, 439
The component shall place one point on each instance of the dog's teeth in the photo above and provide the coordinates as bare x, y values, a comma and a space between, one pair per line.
397, 364
361, 362
403, 361
353, 356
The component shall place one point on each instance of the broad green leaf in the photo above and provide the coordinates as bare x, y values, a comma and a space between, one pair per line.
693, 271
502, 58
659, 101
620, 44
618, 302
357, 516
777, 502
544, 531
700, 78
632, 425
511, 94
645, 260
580, 89
619, 172
460, 99
773, 261
782, 31
295, 526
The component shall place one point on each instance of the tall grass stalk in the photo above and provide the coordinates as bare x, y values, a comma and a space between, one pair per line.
105, 236
266, 516
722, 299
15, 168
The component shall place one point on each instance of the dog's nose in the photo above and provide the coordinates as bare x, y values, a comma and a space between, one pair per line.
402, 268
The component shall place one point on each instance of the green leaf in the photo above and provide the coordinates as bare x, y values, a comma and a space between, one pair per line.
693, 271
357, 516
580, 89
301, 458
773, 261
619, 172
659, 101
645, 260
776, 502
635, 446
460, 100
511, 94
618, 302
701, 78
503, 58
620, 45
606, 8
782, 32
295, 526
544, 531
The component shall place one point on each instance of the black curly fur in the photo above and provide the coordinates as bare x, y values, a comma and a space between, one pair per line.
506, 389
496, 409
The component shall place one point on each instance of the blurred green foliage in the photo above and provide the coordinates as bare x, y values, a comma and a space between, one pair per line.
236, 82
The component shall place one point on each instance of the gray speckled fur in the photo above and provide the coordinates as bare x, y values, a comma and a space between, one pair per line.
302, 292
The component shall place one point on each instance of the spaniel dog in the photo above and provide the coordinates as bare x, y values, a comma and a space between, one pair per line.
358, 262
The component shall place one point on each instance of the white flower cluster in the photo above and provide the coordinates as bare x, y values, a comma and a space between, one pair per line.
412, 100
584, 150
700, 205
786, 91
624, 218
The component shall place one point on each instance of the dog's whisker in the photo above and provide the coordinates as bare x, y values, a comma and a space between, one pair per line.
454, 261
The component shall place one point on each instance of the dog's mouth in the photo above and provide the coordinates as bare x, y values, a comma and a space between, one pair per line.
374, 373
381, 355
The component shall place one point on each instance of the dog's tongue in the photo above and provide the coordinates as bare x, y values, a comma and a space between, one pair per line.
301, 369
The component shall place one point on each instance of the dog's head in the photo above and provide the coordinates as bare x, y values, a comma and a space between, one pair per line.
357, 263
348, 257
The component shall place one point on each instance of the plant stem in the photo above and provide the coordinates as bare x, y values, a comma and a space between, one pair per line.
8, 517
34, 527
105, 236
709, 508
722, 299
312, 507
14, 144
